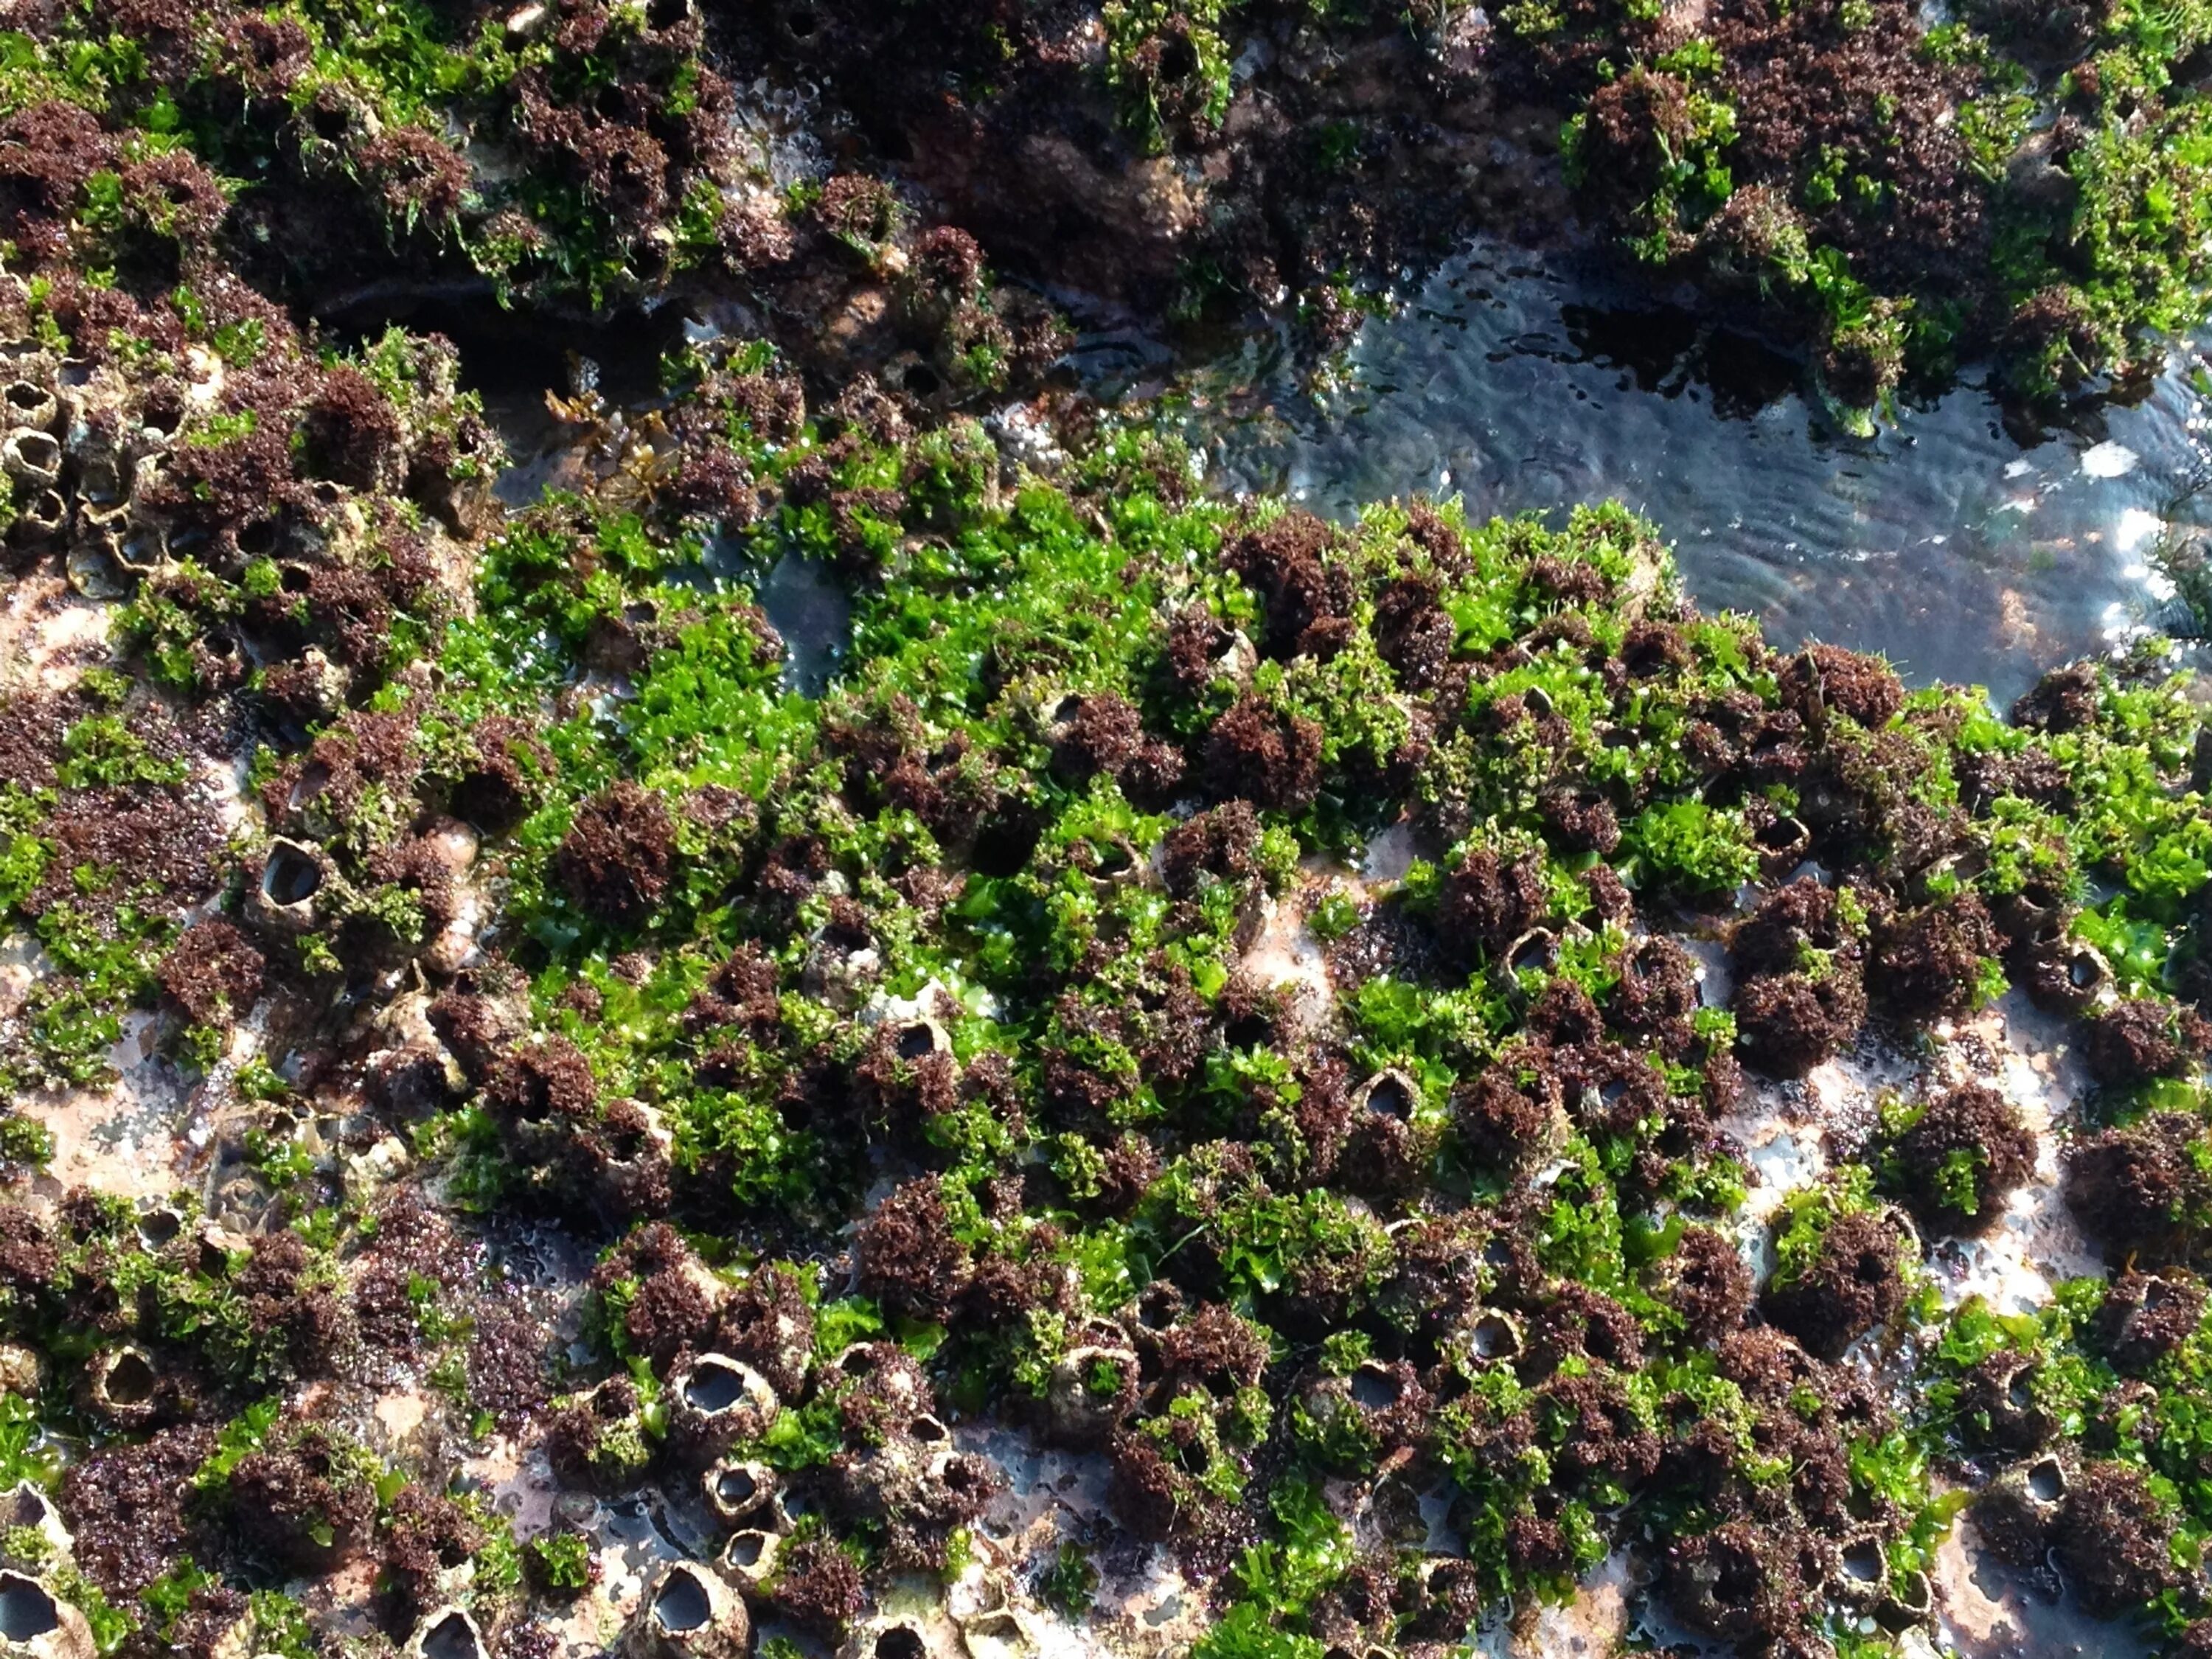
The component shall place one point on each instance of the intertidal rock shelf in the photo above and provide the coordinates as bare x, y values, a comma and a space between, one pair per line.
1296, 1030
1180, 1078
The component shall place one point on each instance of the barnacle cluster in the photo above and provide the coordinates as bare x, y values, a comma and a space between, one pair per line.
1019, 1032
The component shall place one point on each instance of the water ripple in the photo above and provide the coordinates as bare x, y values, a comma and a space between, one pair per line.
1959, 549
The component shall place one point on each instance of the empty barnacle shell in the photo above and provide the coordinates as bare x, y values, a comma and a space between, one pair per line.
2085, 972
77, 379
864, 1360
837, 973
689, 1611
216, 1248
1236, 657
1494, 1337
1782, 842
109, 519
2029, 914
1119, 865
450, 1632
744, 1492
37, 1624
635, 1140
1056, 708
752, 1556
901, 1638
974, 1595
27, 1509
2004, 1390
1374, 1387
159, 1224
2015, 1512
142, 549
333, 502
999, 1634
321, 685
29, 402
1646, 579
2045, 1482
716, 1401
20, 1368
294, 875
147, 474
1911, 1601
120, 1384
40, 518
1908, 1230
1093, 1387
94, 562
1861, 1571
1390, 1093
1534, 952
100, 478
920, 1038
31, 456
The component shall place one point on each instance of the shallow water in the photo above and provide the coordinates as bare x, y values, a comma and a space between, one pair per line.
1950, 545
804, 604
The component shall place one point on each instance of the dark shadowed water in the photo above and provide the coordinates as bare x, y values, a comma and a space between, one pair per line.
1957, 550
